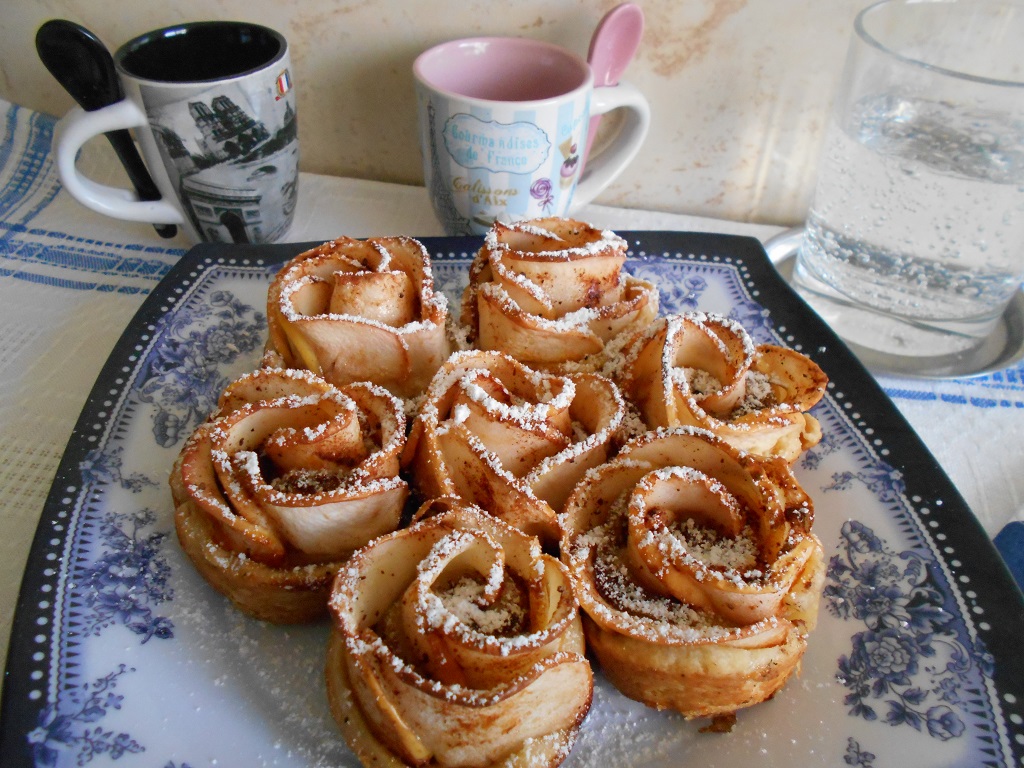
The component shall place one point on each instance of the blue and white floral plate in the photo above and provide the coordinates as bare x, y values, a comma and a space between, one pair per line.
122, 655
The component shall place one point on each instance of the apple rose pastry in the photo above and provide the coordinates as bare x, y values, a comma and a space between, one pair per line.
510, 439
704, 370
696, 571
283, 482
457, 642
552, 291
360, 310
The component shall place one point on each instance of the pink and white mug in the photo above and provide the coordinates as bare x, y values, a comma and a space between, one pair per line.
503, 129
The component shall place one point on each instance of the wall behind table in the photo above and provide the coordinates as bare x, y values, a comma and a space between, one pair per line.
740, 89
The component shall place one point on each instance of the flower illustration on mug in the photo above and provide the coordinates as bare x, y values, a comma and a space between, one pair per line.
541, 190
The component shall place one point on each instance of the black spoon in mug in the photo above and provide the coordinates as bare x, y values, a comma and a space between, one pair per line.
81, 63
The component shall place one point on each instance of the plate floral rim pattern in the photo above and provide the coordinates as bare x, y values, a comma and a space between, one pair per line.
931, 613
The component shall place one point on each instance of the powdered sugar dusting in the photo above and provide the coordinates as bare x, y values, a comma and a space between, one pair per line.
463, 600
758, 394
627, 604
498, 240
466, 606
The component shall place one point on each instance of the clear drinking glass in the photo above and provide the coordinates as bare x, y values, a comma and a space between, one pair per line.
914, 244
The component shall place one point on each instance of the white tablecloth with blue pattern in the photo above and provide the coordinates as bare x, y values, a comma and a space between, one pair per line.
70, 281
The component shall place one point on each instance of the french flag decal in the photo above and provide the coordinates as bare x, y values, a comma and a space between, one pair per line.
284, 84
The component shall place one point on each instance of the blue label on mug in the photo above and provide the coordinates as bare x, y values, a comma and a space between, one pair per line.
481, 167
519, 147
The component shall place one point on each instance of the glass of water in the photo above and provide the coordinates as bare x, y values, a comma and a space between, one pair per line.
914, 243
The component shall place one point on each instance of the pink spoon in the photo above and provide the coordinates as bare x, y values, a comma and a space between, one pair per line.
612, 47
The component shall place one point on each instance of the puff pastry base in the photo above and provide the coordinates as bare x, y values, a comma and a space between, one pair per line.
547, 752
287, 595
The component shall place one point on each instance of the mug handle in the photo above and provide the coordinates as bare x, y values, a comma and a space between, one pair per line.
601, 170
72, 132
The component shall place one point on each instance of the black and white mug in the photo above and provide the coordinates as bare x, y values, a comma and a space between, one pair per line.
213, 110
